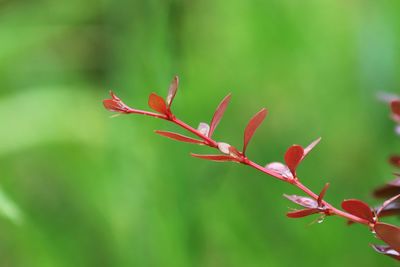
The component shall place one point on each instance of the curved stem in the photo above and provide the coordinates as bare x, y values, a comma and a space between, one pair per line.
244, 160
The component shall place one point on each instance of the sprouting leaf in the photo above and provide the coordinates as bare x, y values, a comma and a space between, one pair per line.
359, 209
179, 137
293, 157
214, 157
172, 91
311, 147
115, 104
252, 126
204, 128
322, 194
386, 250
157, 103
224, 147
302, 201
219, 112
390, 234
301, 213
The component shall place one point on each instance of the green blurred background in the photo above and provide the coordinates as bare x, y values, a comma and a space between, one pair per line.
81, 189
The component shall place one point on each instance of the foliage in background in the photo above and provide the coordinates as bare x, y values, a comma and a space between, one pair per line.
92, 194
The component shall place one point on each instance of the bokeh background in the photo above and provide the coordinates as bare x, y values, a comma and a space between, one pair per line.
78, 188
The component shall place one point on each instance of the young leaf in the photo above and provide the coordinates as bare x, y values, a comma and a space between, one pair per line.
301, 213
311, 147
179, 137
322, 194
214, 157
115, 104
172, 91
203, 128
359, 209
390, 234
157, 103
219, 112
293, 157
224, 147
279, 168
252, 126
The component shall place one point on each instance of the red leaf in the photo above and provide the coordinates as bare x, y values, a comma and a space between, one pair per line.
388, 233
301, 213
311, 147
172, 91
303, 201
214, 157
386, 250
179, 137
359, 209
219, 112
157, 103
388, 190
395, 105
395, 160
322, 194
252, 126
293, 157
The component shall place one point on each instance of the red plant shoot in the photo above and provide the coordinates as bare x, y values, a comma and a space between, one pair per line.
354, 211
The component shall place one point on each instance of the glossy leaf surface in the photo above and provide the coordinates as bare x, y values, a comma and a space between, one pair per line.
302, 201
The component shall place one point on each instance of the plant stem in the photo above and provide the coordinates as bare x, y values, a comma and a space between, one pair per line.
208, 141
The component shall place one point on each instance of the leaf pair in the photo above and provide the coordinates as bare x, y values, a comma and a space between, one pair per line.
158, 104
251, 127
295, 155
311, 206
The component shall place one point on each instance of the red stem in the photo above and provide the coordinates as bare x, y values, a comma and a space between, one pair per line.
244, 160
